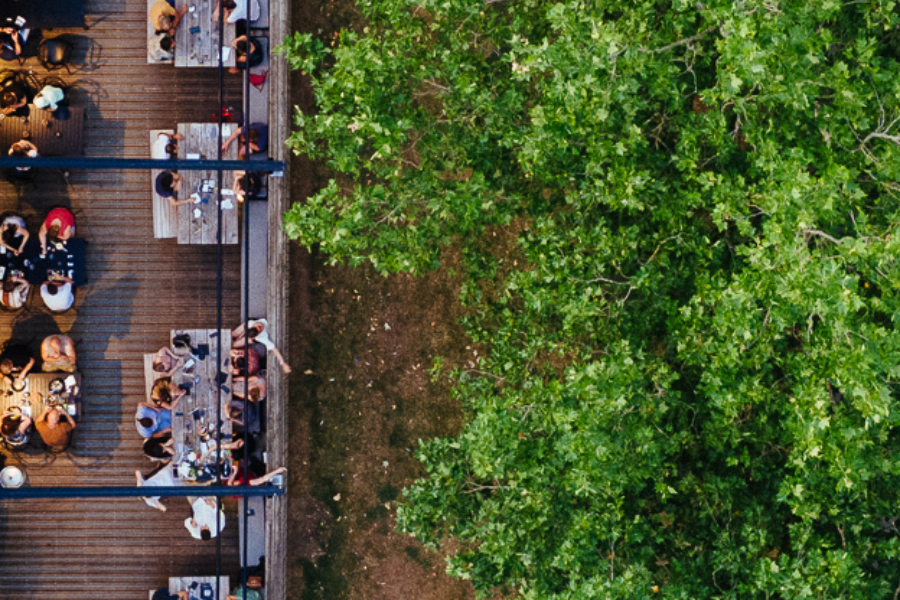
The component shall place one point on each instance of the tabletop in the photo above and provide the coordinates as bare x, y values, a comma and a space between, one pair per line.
196, 412
51, 136
197, 36
41, 14
37, 391
201, 140
200, 588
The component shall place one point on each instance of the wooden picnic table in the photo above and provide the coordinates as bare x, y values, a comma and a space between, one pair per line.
36, 394
201, 588
51, 136
196, 412
197, 36
201, 140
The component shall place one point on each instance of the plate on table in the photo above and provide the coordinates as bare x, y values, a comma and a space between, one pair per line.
12, 477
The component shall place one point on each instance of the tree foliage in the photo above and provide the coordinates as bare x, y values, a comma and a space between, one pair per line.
689, 384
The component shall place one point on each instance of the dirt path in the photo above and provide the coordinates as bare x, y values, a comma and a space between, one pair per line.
360, 399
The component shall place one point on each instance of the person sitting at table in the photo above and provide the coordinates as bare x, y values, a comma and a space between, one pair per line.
57, 228
236, 12
12, 43
164, 18
242, 476
49, 98
55, 427
15, 426
255, 383
259, 139
14, 291
13, 234
165, 146
166, 362
16, 361
206, 521
244, 362
165, 394
58, 293
150, 419
160, 446
23, 149
58, 354
242, 593
161, 47
247, 52
163, 593
162, 477
246, 184
257, 332
14, 100
167, 185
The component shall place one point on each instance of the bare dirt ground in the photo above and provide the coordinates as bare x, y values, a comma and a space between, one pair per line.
360, 399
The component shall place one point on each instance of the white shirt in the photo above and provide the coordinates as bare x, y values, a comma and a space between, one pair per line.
62, 300
204, 515
163, 477
51, 94
240, 11
158, 148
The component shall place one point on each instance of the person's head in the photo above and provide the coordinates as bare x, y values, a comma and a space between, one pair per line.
165, 182
167, 43
6, 366
205, 533
18, 151
53, 418
172, 148
55, 345
159, 367
154, 447
53, 232
8, 99
240, 46
234, 413
240, 363
146, 422
52, 287
253, 395
229, 4
9, 425
162, 391
164, 24
9, 286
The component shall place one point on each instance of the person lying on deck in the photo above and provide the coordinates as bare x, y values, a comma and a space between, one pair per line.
58, 354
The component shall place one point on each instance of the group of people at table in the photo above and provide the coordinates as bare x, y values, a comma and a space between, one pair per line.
248, 359
244, 183
46, 260
165, 20
54, 424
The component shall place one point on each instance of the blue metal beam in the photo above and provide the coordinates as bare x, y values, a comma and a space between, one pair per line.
139, 492
121, 164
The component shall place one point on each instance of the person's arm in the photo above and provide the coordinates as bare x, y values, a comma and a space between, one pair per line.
62, 278
24, 373
176, 400
167, 431
177, 19
26, 422
268, 476
68, 418
234, 134
150, 406
286, 368
24, 233
44, 413
17, 44
42, 236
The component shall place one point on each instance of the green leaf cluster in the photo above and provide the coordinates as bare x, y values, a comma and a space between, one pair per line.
689, 388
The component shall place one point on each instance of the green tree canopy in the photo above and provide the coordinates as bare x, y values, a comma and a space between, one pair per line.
688, 387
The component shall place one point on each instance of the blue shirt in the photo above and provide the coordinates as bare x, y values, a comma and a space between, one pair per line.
161, 420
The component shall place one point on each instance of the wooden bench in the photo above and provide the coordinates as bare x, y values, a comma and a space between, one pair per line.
165, 216
257, 267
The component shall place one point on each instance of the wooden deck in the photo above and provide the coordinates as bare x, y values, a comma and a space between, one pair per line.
139, 288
